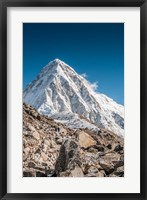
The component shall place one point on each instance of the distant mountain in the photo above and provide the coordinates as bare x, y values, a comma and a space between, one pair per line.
61, 93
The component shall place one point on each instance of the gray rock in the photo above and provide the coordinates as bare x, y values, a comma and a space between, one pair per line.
118, 148
67, 151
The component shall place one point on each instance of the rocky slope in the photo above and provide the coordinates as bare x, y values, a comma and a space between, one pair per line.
59, 90
50, 149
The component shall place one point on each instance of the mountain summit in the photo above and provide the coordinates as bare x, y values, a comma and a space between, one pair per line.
59, 92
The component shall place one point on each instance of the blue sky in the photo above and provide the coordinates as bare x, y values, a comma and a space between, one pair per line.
96, 49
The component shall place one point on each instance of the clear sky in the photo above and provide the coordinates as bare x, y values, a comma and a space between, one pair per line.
96, 49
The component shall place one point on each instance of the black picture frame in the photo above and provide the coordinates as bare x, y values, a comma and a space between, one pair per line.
4, 4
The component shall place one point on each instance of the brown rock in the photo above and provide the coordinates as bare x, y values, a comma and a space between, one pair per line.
51, 150
90, 175
77, 172
111, 157
44, 156
106, 166
28, 174
92, 150
119, 164
92, 169
85, 140
45, 147
31, 128
61, 130
26, 150
36, 135
119, 171
101, 174
64, 174
38, 151
37, 157
59, 141
31, 164
47, 142
34, 114
53, 144
44, 164
112, 175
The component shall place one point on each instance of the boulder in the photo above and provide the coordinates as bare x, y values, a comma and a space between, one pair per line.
26, 150
45, 147
28, 174
36, 135
34, 114
64, 174
92, 150
118, 148
51, 150
59, 141
106, 166
119, 171
31, 128
92, 169
31, 165
101, 173
85, 140
40, 174
47, 142
77, 172
119, 164
44, 156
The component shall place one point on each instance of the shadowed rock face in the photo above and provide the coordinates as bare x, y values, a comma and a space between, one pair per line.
66, 154
51, 149
118, 119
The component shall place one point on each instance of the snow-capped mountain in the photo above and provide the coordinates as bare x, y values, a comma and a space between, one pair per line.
60, 92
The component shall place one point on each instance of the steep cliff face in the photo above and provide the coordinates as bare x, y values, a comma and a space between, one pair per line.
58, 91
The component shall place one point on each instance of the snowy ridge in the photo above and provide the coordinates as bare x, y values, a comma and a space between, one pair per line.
74, 121
59, 89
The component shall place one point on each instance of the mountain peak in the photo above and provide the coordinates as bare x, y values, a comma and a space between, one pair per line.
56, 63
52, 67
60, 89
57, 60
59, 65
